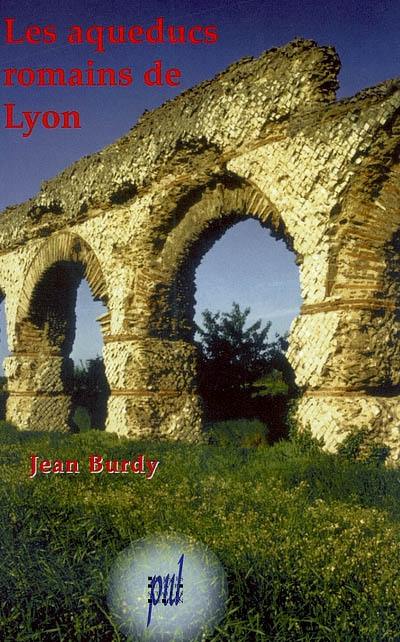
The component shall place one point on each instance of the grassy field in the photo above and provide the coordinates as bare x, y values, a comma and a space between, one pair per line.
310, 542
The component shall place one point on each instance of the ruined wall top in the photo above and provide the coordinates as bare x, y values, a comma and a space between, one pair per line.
207, 124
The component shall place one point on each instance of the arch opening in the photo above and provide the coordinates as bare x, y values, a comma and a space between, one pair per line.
242, 259
90, 390
59, 338
247, 264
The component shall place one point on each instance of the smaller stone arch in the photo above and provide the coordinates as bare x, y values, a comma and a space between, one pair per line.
40, 371
60, 250
62, 247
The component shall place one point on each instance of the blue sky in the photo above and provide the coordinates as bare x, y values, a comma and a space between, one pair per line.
263, 275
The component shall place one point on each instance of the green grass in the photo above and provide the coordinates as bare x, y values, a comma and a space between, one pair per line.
310, 542
242, 433
271, 384
81, 419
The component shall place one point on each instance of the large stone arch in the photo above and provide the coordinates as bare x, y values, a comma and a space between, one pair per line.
209, 210
221, 206
155, 383
39, 370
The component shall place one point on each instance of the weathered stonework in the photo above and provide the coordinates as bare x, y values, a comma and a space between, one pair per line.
264, 139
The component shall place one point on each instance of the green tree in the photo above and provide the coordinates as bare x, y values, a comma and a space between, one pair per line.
233, 357
238, 355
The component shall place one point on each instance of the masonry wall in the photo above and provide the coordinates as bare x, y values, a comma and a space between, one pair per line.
264, 139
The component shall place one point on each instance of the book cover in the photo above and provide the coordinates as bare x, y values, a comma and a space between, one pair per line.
199, 274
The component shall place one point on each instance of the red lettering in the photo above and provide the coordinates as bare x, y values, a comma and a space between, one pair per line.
176, 35
10, 117
76, 77
30, 121
112, 466
125, 465
55, 118
173, 74
48, 77
95, 36
69, 116
125, 77
135, 34
95, 464
75, 35
211, 34
191, 35
9, 77
32, 33
10, 38
50, 120
26, 77
155, 33
45, 466
50, 34
153, 76
116, 39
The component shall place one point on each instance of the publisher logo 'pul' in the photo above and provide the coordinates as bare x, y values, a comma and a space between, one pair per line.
167, 589
164, 585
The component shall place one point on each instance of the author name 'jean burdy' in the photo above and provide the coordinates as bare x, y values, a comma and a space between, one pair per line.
96, 464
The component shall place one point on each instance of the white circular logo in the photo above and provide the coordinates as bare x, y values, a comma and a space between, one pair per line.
167, 589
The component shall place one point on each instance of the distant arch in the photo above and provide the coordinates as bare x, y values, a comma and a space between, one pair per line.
62, 247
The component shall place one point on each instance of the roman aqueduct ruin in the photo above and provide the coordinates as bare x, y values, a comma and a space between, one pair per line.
265, 139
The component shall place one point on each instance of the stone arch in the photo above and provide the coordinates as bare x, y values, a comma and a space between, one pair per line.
361, 247
220, 208
229, 197
166, 287
39, 372
63, 247
157, 377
